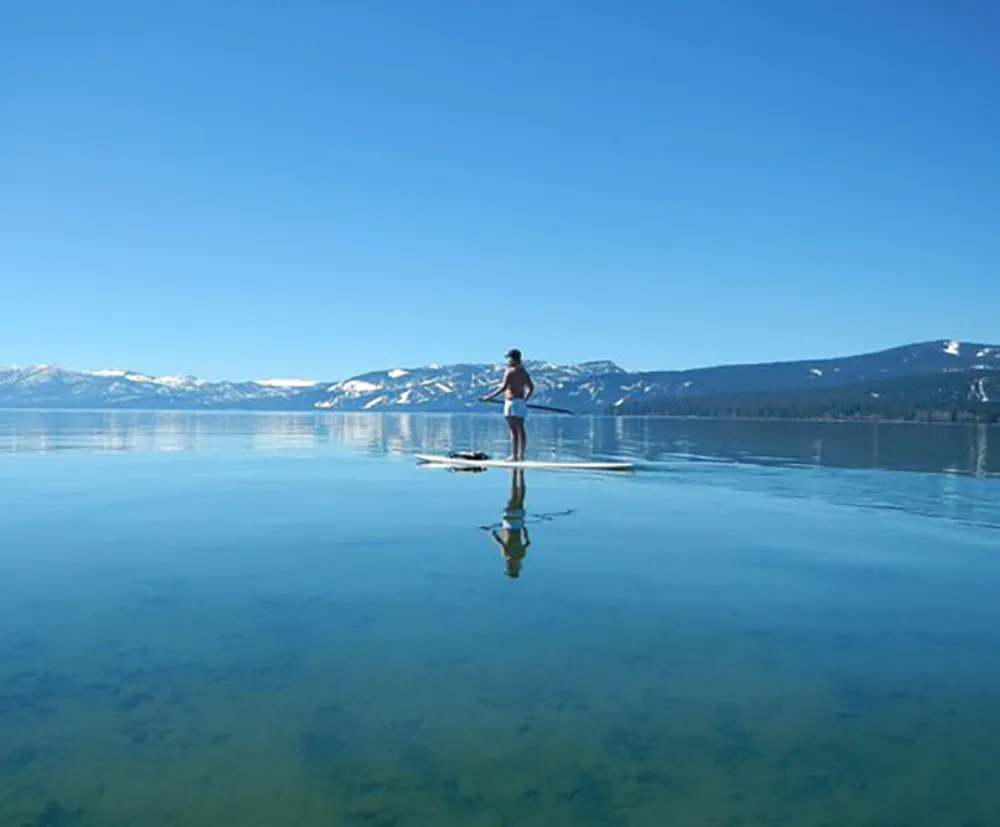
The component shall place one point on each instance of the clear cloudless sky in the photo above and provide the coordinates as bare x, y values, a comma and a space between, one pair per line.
316, 188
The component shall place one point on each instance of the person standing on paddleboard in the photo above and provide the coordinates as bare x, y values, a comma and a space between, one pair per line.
516, 388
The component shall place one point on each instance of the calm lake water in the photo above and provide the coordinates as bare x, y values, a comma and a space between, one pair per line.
228, 619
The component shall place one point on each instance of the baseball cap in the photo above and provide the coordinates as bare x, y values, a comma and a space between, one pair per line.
513, 353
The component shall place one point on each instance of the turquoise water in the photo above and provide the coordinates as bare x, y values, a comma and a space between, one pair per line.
282, 620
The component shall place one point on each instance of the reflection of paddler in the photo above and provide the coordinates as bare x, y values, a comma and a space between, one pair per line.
513, 535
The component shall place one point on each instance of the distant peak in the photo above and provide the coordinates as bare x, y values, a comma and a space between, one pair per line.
602, 366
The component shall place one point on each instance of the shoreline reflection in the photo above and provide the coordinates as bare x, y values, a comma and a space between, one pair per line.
966, 450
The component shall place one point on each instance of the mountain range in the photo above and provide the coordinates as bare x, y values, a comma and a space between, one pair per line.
956, 396
588, 387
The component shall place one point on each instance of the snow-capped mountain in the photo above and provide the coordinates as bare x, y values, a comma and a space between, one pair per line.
47, 386
924, 358
586, 388
458, 387
431, 388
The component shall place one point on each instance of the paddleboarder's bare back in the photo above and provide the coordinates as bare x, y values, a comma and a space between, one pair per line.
516, 388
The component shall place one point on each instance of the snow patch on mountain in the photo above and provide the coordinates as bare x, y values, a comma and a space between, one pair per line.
978, 391
953, 348
356, 386
179, 381
286, 383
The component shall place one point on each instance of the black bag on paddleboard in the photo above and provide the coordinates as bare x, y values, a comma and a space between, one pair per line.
471, 455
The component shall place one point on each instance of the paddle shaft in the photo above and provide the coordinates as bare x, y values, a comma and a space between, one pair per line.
537, 407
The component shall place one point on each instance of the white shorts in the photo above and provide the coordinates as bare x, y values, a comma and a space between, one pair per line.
513, 519
515, 407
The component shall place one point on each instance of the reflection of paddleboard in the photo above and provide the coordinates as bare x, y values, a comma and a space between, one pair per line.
465, 462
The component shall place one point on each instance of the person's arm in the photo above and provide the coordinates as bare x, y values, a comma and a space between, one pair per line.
498, 391
527, 539
530, 386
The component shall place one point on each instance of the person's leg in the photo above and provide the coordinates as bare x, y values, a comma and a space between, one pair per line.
517, 487
522, 438
512, 427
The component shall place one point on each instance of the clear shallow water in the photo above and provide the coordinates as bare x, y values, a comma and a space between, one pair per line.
261, 620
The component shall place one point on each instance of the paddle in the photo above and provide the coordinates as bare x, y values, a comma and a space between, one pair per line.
538, 407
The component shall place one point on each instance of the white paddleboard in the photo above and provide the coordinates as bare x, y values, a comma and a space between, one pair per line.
461, 462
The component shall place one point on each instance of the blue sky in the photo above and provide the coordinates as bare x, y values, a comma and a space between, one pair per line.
320, 188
